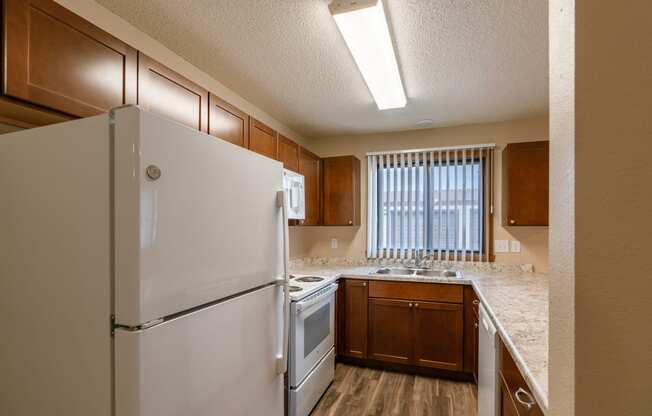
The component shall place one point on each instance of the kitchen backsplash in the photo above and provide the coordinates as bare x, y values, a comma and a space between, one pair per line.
303, 262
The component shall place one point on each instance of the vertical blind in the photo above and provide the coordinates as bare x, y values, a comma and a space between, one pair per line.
435, 202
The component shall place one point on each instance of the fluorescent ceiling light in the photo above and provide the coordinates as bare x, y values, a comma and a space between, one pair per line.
364, 28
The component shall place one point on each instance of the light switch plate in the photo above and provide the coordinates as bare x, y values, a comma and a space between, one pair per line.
516, 246
333, 242
501, 246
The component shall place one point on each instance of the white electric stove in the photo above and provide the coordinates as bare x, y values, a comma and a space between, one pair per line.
312, 353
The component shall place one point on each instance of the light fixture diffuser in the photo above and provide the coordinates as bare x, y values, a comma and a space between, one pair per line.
364, 28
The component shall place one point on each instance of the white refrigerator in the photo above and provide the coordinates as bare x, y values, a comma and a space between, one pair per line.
143, 272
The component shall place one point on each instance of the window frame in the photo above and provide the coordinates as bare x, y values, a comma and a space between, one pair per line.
487, 231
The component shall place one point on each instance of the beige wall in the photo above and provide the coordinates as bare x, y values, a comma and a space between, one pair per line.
315, 241
118, 27
601, 137
561, 376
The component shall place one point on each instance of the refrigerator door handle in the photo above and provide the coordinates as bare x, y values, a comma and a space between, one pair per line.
282, 360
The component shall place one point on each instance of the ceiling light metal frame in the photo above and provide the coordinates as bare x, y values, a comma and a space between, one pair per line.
364, 26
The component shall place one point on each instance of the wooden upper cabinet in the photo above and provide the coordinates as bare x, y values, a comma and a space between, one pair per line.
438, 335
310, 168
341, 203
262, 139
390, 330
227, 122
288, 153
56, 59
163, 91
525, 184
355, 318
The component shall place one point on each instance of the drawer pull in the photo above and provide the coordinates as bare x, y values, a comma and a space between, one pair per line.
524, 398
476, 302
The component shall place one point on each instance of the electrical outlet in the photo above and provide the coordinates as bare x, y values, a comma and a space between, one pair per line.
516, 246
501, 246
333, 242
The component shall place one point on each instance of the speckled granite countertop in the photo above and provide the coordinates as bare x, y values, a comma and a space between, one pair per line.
516, 301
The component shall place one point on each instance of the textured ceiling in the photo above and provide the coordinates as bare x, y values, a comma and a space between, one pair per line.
462, 61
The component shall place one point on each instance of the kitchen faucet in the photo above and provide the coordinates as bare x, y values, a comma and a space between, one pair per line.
420, 258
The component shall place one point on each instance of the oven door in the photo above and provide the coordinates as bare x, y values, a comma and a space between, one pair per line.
312, 332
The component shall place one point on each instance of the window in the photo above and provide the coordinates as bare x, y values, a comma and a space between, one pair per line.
433, 202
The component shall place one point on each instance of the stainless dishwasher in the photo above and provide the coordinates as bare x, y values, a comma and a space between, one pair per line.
488, 386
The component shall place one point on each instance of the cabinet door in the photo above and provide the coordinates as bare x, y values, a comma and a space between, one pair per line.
288, 153
56, 59
507, 406
471, 321
525, 184
390, 330
341, 191
163, 91
438, 334
476, 346
262, 139
310, 168
227, 122
355, 318
517, 394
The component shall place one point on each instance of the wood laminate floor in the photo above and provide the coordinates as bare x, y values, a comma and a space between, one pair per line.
358, 391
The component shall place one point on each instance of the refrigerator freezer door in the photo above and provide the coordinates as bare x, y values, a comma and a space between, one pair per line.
196, 218
216, 361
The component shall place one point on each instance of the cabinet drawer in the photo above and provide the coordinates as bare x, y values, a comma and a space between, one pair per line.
517, 388
416, 291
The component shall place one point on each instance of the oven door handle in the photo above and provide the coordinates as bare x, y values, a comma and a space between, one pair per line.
302, 306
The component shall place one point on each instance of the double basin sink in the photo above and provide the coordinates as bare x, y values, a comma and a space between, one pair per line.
417, 272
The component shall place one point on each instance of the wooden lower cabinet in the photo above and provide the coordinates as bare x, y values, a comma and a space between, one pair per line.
471, 328
390, 330
516, 397
354, 318
400, 327
438, 335
507, 406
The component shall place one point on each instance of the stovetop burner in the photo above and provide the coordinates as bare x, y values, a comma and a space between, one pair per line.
295, 289
310, 279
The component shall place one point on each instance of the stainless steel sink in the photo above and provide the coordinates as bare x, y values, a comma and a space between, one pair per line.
400, 272
437, 273
417, 272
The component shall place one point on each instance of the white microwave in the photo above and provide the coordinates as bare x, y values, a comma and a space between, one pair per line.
293, 185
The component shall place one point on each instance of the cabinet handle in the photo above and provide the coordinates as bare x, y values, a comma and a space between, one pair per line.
476, 302
350, 222
512, 221
364, 283
416, 305
410, 305
524, 398
476, 325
